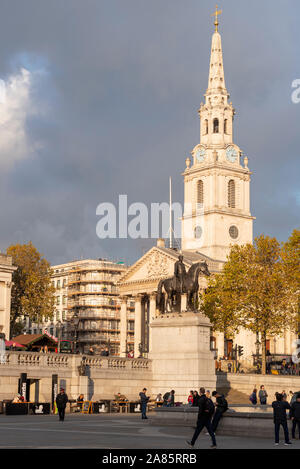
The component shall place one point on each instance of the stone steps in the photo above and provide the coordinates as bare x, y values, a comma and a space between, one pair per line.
234, 397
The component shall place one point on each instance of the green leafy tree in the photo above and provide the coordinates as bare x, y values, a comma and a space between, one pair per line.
217, 304
291, 264
252, 292
32, 291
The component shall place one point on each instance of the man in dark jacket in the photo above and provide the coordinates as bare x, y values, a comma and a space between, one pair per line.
205, 413
144, 400
221, 407
171, 399
280, 407
262, 395
61, 402
166, 398
295, 416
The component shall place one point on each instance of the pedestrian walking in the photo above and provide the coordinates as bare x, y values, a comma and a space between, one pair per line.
280, 407
262, 395
221, 407
144, 401
295, 416
253, 397
206, 410
61, 402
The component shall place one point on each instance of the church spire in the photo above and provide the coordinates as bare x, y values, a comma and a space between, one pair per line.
217, 12
216, 114
216, 80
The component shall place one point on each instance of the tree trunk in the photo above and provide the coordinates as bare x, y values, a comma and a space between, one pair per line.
263, 353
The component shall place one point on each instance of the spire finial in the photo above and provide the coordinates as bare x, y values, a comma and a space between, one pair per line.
217, 12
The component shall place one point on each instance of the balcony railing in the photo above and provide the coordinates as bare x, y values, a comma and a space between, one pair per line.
39, 362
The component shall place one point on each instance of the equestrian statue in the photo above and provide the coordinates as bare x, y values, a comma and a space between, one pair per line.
169, 290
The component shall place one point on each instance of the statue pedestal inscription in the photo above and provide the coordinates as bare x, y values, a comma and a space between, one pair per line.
181, 355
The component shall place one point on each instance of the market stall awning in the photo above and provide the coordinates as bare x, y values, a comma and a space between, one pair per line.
13, 343
33, 341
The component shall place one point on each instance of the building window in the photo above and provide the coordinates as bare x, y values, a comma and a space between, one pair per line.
58, 284
64, 300
200, 192
58, 300
198, 232
205, 127
231, 193
225, 126
233, 232
216, 126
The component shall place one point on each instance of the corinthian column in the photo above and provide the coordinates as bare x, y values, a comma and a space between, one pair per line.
123, 326
137, 325
152, 315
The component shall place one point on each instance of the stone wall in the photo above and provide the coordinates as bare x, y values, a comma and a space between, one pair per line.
233, 423
247, 382
104, 376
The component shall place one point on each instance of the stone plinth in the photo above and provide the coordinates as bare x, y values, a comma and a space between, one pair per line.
181, 356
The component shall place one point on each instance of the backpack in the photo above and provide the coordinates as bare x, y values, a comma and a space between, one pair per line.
166, 396
209, 407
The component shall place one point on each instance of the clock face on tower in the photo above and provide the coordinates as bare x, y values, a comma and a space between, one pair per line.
200, 155
231, 154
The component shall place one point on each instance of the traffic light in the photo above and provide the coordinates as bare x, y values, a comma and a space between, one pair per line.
240, 348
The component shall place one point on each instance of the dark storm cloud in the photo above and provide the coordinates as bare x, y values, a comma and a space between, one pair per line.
121, 84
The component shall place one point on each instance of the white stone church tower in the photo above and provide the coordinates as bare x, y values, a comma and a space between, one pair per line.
217, 180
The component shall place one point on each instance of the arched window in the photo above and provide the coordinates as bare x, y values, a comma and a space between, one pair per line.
225, 126
205, 127
231, 193
200, 192
216, 126
198, 232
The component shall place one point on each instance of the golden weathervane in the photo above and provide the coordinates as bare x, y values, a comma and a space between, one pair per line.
217, 12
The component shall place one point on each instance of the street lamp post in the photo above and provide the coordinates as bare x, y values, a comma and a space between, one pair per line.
76, 323
257, 343
58, 329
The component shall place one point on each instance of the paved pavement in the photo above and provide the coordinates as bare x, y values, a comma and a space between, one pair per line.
110, 432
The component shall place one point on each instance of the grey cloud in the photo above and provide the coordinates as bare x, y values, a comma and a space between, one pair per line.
124, 82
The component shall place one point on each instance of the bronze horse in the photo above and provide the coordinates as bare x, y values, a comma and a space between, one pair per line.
190, 286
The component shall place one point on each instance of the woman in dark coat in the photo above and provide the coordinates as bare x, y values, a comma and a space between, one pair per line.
253, 397
196, 399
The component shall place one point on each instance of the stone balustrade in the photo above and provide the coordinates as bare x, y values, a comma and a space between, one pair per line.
94, 376
55, 360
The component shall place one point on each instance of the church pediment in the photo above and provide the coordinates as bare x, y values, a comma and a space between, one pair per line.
154, 265
159, 263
